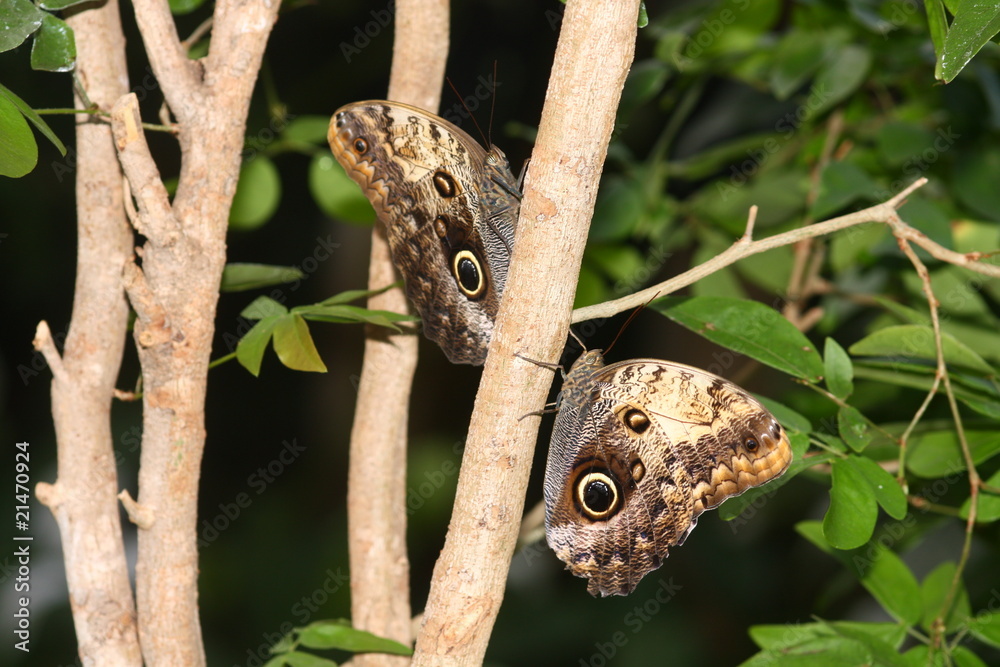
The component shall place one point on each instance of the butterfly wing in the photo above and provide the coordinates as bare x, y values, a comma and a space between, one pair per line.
641, 448
449, 208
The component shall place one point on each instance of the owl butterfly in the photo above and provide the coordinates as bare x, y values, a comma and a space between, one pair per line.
639, 450
449, 207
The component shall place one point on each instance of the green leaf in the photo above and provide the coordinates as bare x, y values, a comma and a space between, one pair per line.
988, 504
971, 182
354, 295
916, 341
747, 327
841, 184
251, 348
845, 70
882, 652
34, 118
618, 210
986, 625
18, 150
838, 369
887, 491
937, 24
790, 419
54, 48
880, 571
300, 659
179, 7
18, 20
934, 592
938, 453
257, 194
975, 23
799, 54
261, 307
348, 314
898, 142
340, 635
57, 5
853, 428
336, 194
239, 277
295, 347
307, 129
963, 657
850, 520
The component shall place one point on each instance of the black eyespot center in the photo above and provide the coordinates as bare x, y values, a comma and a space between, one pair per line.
751, 444
468, 272
360, 146
598, 495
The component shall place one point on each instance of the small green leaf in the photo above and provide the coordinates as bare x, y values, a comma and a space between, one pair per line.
257, 194
839, 371
238, 277
307, 129
618, 210
937, 24
938, 453
348, 314
340, 635
988, 505
887, 491
986, 626
354, 295
57, 5
976, 23
18, 20
935, 590
261, 307
747, 327
34, 118
799, 54
846, 68
882, 652
963, 657
300, 659
336, 194
853, 428
916, 341
850, 520
18, 150
841, 184
179, 7
251, 348
880, 571
54, 48
295, 347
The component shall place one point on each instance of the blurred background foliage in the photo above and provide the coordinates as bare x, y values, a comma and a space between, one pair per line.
806, 109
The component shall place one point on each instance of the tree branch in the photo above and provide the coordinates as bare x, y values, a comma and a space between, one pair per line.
179, 76
83, 497
376, 496
746, 246
595, 50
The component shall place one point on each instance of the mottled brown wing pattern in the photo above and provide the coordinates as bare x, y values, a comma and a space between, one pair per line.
450, 210
640, 449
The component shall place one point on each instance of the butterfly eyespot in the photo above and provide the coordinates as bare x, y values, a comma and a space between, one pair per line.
636, 421
468, 273
445, 184
360, 146
638, 471
597, 494
441, 226
751, 444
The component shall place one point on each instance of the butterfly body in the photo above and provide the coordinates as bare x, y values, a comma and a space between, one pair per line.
639, 450
450, 210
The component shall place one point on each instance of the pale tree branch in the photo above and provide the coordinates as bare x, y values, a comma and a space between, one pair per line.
376, 496
179, 77
175, 293
593, 56
883, 213
83, 497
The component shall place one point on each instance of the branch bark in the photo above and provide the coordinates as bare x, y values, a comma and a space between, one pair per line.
594, 53
83, 497
175, 292
376, 496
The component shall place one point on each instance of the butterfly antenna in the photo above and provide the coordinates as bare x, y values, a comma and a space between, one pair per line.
629, 321
467, 109
493, 104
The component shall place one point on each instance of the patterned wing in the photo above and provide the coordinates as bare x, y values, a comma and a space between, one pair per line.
450, 210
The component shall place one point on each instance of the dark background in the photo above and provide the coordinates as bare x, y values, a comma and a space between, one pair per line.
286, 550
